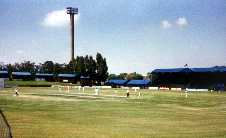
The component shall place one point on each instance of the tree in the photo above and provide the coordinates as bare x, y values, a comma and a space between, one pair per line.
134, 76
71, 67
48, 67
92, 67
96, 70
3, 67
102, 68
17, 67
27, 66
58, 68
38, 68
149, 75
10, 70
87, 66
123, 76
113, 77
79, 65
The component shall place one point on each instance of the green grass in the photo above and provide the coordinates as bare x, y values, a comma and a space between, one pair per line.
20, 82
31, 83
38, 112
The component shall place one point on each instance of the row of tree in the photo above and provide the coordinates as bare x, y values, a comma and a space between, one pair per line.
96, 69
86, 66
129, 76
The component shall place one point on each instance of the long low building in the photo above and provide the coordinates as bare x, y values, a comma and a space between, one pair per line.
4, 74
44, 76
116, 83
129, 83
139, 83
208, 78
72, 78
22, 75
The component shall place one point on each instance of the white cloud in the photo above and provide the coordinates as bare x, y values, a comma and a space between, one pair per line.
166, 24
58, 18
182, 22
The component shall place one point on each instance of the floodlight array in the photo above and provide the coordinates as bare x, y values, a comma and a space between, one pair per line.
71, 10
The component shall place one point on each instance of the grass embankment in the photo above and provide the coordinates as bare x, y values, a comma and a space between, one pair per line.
40, 83
154, 114
27, 83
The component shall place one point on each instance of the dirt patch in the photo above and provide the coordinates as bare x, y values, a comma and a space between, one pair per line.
62, 97
47, 98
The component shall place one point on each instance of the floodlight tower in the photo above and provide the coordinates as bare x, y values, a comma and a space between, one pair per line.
72, 11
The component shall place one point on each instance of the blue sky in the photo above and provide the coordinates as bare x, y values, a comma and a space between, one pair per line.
134, 36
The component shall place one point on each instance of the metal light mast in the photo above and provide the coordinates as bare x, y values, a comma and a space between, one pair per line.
72, 11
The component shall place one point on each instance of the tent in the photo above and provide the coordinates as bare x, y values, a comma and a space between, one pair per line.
139, 83
116, 83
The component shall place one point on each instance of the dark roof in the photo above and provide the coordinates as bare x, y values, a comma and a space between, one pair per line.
21, 73
172, 70
202, 69
84, 77
138, 82
212, 69
67, 75
224, 70
3, 72
197, 70
44, 74
117, 82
